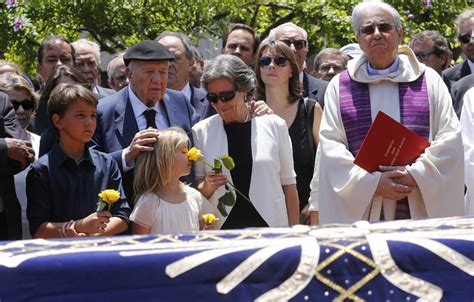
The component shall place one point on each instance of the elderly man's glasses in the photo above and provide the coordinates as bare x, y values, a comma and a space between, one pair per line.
298, 44
465, 38
224, 96
370, 29
27, 104
266, 61
424, 55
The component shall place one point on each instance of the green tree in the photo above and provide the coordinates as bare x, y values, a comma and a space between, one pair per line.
115, 24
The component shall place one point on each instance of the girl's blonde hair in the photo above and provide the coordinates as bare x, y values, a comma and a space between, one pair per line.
153, 169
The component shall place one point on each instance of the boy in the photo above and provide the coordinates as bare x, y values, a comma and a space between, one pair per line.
63, 185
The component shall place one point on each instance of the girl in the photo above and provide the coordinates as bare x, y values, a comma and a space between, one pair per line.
165, 205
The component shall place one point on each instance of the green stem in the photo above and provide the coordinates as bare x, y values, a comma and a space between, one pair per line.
231, 184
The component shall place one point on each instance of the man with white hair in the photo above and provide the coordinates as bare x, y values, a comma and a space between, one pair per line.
297, 39
117, 79
386, 78
88, 63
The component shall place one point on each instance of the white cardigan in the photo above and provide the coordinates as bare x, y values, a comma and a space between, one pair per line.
272, 163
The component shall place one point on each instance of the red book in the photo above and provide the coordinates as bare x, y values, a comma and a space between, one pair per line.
389, 143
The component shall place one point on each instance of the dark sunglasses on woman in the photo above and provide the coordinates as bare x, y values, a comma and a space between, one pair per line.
279, 60
27, 104
465, 38
224, 96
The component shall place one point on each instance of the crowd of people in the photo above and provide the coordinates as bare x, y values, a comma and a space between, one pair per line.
293, 133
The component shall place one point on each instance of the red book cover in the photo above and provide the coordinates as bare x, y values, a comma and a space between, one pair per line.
389, 143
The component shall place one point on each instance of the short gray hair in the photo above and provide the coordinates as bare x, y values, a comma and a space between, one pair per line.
111, 65
85, 42
182, 37
466, 14
361, 8
232, 68
272, 34
441, 44
325, 52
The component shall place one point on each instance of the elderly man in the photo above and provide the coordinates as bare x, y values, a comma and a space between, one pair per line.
387, 78
464, 29
54, 51
117, 79
329, 62
178, 75
127, 121
432, 49
88, 63
297, 38
241, 41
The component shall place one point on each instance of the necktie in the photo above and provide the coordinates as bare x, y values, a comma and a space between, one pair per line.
150, 118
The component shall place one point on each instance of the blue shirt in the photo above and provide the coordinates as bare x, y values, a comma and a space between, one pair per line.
60, 190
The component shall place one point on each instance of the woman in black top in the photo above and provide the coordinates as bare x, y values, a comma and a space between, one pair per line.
278, 83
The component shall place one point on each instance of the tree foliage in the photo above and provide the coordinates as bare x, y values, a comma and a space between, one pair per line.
115, 24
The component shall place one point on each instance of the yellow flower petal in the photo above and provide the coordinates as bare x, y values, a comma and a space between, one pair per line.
195, 154
109, 195
209, 218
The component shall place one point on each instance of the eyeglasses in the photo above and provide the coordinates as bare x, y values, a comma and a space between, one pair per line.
325, 67
424, 55
370, 29
266, 61
465, 38
298, 44
27, 104
224, 96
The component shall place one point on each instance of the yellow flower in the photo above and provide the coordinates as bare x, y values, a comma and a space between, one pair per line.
209, 218
195, 154
109, 196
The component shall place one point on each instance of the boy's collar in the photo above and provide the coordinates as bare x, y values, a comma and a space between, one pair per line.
59, 156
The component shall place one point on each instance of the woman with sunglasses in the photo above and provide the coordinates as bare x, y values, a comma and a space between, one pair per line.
278, 84
260, 147
25, 103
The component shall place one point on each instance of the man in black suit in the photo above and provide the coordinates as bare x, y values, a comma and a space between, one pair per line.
15, 156
297, 38
465, 26
88, 63
178, 75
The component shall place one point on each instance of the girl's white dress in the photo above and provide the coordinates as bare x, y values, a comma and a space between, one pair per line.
164, 217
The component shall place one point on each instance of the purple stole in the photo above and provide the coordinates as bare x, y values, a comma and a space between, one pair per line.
354, 102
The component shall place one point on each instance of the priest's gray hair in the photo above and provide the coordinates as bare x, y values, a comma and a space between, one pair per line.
232, 68
361, 8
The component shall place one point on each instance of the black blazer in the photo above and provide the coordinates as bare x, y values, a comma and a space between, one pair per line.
9, 127
458, 89
314, 88
456, 72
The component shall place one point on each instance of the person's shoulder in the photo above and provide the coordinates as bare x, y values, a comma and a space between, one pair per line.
206, 123
175, 95
101, 157
270, 119
450, 72
315, 81
104, 92
109, 102
199, 93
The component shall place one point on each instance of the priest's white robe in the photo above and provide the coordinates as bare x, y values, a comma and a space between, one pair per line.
344, 193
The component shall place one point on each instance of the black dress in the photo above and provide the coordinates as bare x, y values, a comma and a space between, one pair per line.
303, 163
239, 144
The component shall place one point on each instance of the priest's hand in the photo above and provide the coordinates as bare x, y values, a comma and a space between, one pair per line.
405, 179
391, 186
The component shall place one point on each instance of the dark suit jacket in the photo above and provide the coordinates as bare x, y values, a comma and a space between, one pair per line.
458, 89
456, 72
103, 92
200, 104
116, 125
314, 88
9, 127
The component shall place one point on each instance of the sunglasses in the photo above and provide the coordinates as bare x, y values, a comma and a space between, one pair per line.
224, 96
280, 61
465, 38
370, 29
27, 104
298, 44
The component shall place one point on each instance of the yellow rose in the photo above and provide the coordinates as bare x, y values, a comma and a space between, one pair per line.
209, 218
195, 154
109, 196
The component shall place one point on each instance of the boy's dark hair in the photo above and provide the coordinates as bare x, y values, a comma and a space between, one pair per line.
64, 95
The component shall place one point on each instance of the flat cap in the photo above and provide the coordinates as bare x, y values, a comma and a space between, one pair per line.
148, 50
